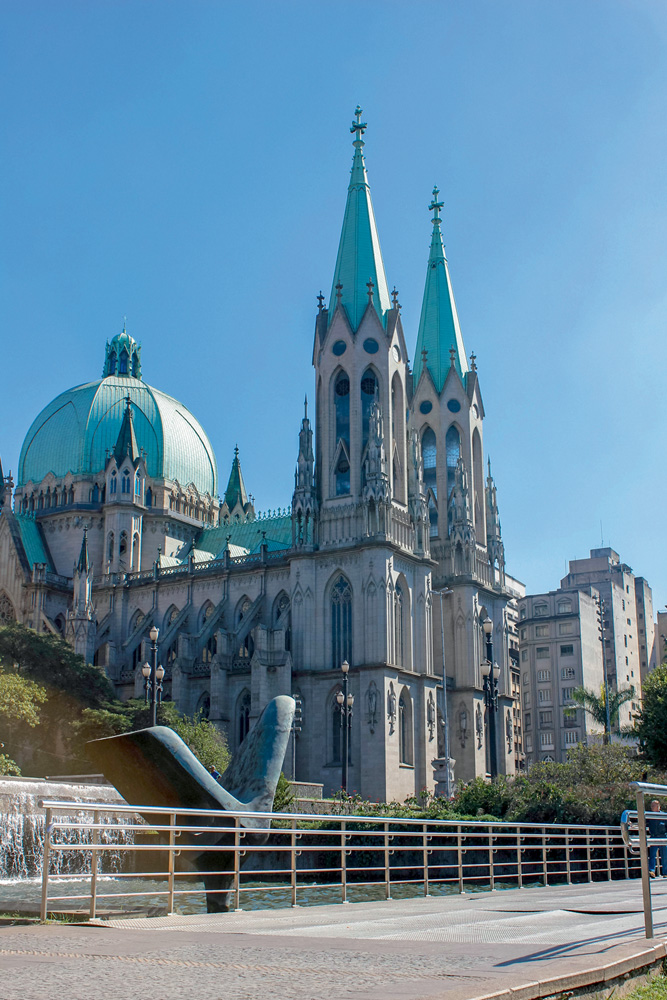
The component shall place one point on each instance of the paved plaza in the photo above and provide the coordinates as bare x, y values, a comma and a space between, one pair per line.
530, 941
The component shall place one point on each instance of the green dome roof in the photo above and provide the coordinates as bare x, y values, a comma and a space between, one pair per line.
75, 432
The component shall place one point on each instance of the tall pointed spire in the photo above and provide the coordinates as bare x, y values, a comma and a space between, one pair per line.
127, 441
359, 258
236, 492
83, 565
439, 330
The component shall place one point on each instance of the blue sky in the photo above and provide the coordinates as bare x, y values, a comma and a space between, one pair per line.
186, 164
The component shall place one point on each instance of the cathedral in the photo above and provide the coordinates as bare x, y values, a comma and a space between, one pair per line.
389, 556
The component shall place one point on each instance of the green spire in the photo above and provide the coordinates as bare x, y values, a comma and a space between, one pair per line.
439, 342
235, 492
359, 276
127, 441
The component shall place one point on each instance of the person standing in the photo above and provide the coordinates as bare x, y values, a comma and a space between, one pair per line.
656, 828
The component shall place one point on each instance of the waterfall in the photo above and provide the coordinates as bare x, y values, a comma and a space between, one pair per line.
22, 825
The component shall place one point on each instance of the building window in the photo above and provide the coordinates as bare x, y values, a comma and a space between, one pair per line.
453, 450
398, 624
526, 720
541, 630
526, 677
567, 694
544, 696
546, 740
567, 650
567, 672
341, 622
625, 639
405, 741
542, 652
149, 497
342, 414
522, 613
540, 610
569, 716
526, 699
566, 628
124, 359
544, 675
564, 607
429, 462
529, 744
137, 486
571, 736
546, 718
113, 486
523, 633
524, 655
369, 385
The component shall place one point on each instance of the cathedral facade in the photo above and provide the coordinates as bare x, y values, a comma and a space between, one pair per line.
389, 557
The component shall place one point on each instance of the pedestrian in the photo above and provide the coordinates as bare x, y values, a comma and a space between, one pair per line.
656, 828
214, 771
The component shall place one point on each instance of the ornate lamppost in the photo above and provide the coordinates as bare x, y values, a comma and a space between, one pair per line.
153, 675
491, 673
345, 703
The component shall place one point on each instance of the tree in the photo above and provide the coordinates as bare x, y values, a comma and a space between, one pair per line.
651, 726
19, 702
596, 706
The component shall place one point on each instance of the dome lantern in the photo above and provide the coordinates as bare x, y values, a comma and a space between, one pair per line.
122, 356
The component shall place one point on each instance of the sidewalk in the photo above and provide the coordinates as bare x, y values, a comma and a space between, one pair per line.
534, 942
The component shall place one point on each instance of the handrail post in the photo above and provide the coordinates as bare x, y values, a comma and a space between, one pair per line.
292, 855
171, 863
425, 840
343, 861
459, 856
93, 866
608, 853
237, 863
518, 858
588, 854
46, 857
544, 856
643, 854
387, 872
492, 883
568, 867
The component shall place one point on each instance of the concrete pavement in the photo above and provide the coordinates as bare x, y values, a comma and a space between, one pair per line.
523, 943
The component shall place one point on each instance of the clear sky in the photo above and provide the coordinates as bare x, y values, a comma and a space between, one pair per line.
186, 165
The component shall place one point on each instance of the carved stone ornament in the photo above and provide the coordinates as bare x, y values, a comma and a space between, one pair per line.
430, 715
463, 725
509, 731
372, 698
391, 707
479, 727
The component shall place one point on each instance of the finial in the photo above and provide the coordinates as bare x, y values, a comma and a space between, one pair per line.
305, 407
128, 404
424, 357
435, 207
452, 356
124, 324
358, 127
339, 293
320, 302
473, 362
370, 285
394, 298
236, 451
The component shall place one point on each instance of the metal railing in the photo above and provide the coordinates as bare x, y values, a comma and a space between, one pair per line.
635, 835
341, 853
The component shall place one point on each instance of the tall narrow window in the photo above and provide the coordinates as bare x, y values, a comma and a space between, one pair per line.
112, 363
113, 485
430, 461
124, 358
398, 624
341, 622
369, 384
126, 483
405, 751
342, 453
137, 486
453, 451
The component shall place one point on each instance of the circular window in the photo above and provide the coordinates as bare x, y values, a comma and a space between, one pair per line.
426, 406
397, 354
371, 346
343, 386
339, 348
453, 406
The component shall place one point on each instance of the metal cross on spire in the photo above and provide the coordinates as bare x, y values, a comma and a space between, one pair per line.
320, 302
370, 285
394, 298
435, 207
452, 356
359, 127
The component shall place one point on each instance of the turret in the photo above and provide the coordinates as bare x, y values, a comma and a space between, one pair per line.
304, 500
494, 542
236, 505
81, 625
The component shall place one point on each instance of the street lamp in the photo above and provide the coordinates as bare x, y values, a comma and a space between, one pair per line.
153, 676
491, 673
345, 703
445, 719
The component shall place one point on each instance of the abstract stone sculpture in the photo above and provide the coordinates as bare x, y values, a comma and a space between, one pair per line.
154, 767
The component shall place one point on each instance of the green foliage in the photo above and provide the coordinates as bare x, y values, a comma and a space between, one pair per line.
651, 726
654, 988
8, 766
283, 800
596, 705
480, 797
20, 698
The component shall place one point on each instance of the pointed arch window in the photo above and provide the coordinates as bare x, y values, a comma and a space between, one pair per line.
342, 420
110, 547
453, 452
7, 613
96, 493
113, 485
405, 729
112, 363
137, 485
369, 386
398, 625
149, 497
430, 465
341, 622
125, 487
124, 360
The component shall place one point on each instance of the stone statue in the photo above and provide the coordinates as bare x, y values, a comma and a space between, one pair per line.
154, 767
